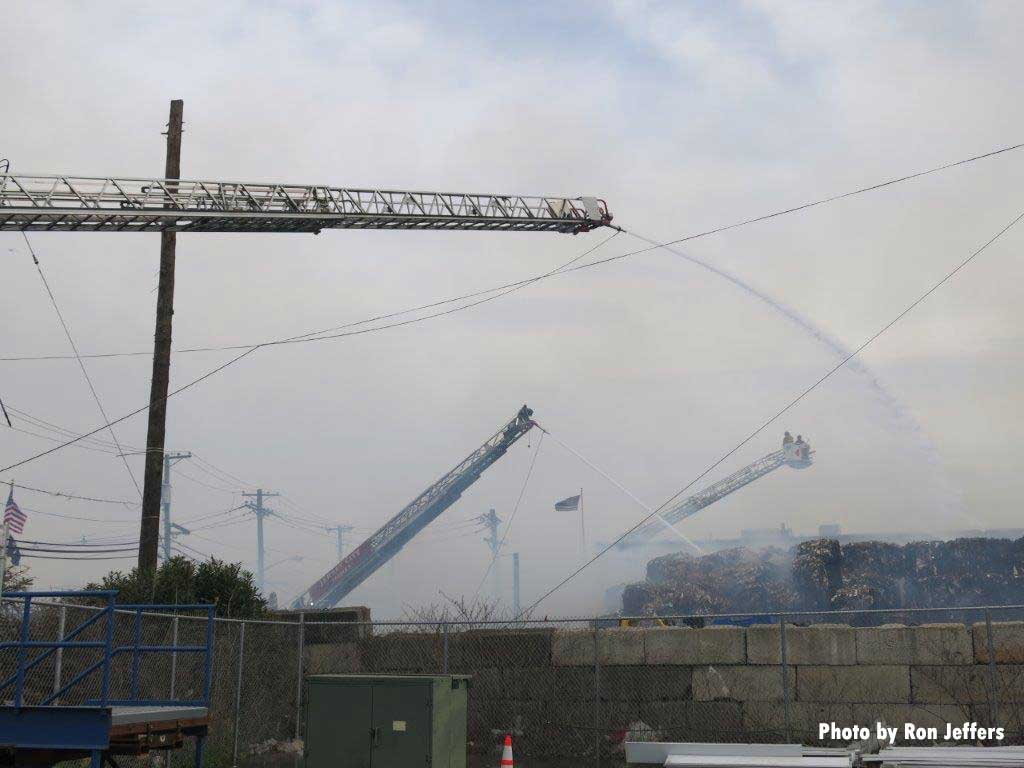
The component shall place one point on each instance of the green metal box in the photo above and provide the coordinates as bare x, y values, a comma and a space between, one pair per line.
380, 721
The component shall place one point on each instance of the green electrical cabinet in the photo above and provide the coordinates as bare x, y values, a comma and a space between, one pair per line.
380, 721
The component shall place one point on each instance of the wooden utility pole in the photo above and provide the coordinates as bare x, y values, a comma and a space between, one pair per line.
149, 533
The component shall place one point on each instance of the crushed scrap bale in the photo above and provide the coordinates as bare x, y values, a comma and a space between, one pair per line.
824, 575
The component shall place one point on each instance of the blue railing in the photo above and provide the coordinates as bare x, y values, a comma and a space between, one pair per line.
137, 649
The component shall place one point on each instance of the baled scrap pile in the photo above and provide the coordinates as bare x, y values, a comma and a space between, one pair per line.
964, 572
732, 580
817, 572
822, 575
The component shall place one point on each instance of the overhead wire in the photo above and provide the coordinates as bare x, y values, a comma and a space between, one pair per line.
61, 557
211, 515
125, 542
81, 363
219, 488
74, 517
319, 335
565, 268
764, 425
70, 496
214, 469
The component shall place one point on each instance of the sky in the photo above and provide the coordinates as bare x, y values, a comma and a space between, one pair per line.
684, 116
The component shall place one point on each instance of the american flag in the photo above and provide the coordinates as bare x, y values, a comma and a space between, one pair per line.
14, 517
568, 505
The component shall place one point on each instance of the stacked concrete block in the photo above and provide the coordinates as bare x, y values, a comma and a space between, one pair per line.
925, 644
741, 683
826, 644
573, 648
853, 684
683, 645
1007, 642
397, 652
507, 649
976, 684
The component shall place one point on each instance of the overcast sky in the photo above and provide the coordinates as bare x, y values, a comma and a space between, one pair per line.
684, 116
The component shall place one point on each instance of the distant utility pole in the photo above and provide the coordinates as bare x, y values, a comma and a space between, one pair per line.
170, 459
261, 512
491, 520
149, 532
341, 530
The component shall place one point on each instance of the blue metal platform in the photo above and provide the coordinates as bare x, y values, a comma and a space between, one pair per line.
48, 732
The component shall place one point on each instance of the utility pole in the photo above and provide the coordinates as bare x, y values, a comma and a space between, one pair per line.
149, 532
170, 459
341, 530
260, 512
491, 520
515, 585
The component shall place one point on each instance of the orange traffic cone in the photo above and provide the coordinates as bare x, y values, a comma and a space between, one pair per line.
506, 753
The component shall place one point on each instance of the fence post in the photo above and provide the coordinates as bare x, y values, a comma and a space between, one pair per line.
597, 695
785, 678
174, 653
238, 693
298, 692
444, 658
61, 619
993, 672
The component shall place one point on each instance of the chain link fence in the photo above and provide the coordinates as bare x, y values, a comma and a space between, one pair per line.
570, 691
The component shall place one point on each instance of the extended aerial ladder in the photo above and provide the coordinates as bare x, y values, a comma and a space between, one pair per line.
795, 455
365, 559
106, 204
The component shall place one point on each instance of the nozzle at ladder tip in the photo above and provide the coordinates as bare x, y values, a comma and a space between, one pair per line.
506, 753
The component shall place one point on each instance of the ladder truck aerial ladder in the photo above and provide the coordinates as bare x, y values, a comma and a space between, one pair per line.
54, 203
368, 557
792, 454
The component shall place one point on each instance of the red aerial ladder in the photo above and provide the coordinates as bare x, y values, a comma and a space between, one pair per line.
365, 559
792, 454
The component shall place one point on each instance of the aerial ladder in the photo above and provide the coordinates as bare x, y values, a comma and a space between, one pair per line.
385, 543
792, 454
107, 204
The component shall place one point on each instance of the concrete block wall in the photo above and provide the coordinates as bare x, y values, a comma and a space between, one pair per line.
569, 689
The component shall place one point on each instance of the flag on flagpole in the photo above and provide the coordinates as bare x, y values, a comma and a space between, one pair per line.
14, 518
570, 504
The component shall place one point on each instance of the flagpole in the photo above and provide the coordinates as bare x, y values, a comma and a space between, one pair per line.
583, 530
3, 558
3, 545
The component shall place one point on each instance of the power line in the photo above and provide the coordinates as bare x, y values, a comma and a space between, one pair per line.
786, 408
76, 517
319, 335
565, 268
76, 543
211, 515
92, 448
197, 481
73, 496
76, 551
81, 363
59, 557
562, 270
49, 426
230, 477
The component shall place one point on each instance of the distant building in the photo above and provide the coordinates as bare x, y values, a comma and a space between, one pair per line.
830, 531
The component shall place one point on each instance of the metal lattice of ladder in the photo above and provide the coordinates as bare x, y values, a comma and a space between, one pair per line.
94, 204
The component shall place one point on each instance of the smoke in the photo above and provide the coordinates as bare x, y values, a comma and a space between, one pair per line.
948, 499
